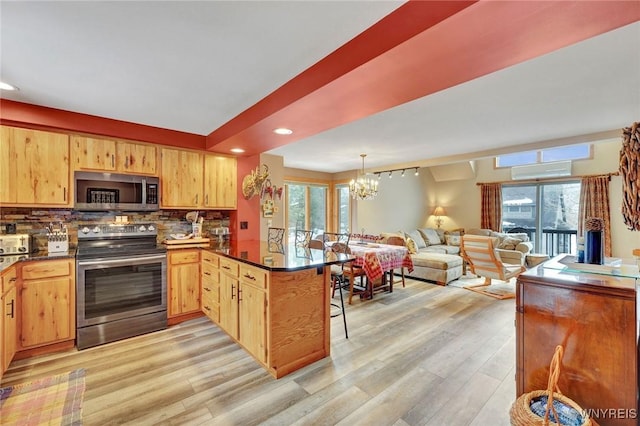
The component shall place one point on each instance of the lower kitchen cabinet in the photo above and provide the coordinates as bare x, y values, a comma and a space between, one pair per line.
184, 282
8, 318
210, 286
46, 301
279, 317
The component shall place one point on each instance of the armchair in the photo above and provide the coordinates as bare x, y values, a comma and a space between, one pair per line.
478, 251
511, 248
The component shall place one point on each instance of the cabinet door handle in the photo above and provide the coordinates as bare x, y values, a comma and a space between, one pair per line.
13, 279
208, 273
113, 160
206, 199
249, 276
233, 287
207, 289
197, 198
12, 304
64, 193
226, 267
207, 308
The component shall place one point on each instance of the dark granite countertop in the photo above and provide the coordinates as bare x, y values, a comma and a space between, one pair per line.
8, 261
283, 258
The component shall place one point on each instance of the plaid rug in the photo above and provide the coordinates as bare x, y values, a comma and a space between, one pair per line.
55, 400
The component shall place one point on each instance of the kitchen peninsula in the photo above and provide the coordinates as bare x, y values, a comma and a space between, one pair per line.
274, 301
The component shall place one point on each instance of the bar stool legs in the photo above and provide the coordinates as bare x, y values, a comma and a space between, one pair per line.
338, 282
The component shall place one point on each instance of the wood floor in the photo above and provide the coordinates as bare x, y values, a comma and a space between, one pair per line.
422, 355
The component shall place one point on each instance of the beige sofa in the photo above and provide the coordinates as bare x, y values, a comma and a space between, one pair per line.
435, 254
512, 248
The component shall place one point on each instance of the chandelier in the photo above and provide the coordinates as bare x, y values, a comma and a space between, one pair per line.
364, 187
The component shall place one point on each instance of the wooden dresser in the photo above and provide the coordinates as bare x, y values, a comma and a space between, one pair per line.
594, 317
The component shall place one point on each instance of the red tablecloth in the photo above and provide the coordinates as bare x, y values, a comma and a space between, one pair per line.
376, 259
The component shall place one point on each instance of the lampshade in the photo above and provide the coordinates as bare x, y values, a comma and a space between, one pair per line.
439, 211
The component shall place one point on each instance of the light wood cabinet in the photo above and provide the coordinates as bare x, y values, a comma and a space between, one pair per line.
111, 155
93, 154
184, 282
220, 182
243, 305
46, 301
229, 284
594, 318
34, 167
181, 178
136, 158
8, 319
210, 285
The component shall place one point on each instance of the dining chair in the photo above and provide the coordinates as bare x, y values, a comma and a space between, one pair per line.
396, 241
350, 272
303, 237
275, 239
316, 244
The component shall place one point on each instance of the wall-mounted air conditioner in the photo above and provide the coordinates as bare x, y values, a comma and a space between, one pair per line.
541, 170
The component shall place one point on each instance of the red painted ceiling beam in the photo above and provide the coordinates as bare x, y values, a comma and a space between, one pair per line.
20, 114
419, 49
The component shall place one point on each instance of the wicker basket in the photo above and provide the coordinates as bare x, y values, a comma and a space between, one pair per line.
522, 414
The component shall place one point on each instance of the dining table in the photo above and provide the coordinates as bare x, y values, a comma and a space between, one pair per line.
377, 259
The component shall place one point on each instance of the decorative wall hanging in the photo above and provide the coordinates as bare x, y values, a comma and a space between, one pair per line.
252, 184
630, 172
270, 191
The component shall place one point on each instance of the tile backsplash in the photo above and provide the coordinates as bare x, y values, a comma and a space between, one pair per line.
33, 221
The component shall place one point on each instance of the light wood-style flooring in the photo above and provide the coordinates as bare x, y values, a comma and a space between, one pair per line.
422, 355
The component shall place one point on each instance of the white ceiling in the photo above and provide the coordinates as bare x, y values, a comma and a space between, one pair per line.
193, 66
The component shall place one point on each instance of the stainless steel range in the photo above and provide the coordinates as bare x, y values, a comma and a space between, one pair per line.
121, 283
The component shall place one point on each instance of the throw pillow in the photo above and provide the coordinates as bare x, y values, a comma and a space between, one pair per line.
417, 237
453, 240
431, 236
509, 243
411, 245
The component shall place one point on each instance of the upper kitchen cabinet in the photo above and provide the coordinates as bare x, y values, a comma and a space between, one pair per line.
34, 167
181, 178
111, 155
220, 182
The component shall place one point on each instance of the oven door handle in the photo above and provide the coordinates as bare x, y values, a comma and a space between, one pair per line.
128, 260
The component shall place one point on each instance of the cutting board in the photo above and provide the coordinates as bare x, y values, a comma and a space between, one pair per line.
188, 243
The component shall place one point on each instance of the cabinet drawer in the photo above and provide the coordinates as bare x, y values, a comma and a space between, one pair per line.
210, 291
210, 273
46, 269
229, 267
209, 258
212, 310
253, 276
179, 257
8, 277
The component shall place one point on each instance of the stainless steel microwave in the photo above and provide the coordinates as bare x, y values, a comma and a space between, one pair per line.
98, 191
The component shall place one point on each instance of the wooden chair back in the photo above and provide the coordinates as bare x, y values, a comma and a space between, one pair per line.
478, 251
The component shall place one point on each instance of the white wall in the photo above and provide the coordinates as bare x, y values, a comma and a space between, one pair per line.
401, 204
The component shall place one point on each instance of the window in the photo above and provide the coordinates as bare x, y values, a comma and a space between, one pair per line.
548, 155
306, 207
343, 206
547, 212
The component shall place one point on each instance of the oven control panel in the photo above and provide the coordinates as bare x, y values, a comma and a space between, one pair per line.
14, 244
116, 230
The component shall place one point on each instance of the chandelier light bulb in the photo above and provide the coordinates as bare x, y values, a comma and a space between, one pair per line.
363, 187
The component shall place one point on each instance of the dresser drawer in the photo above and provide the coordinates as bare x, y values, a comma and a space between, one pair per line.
229, 267
254, 276
184, 256
210, 291
46, 269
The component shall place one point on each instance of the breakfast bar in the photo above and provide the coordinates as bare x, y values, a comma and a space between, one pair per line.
274, 303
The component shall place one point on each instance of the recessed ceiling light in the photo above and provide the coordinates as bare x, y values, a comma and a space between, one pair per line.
237, 150
7, 86
282, 131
